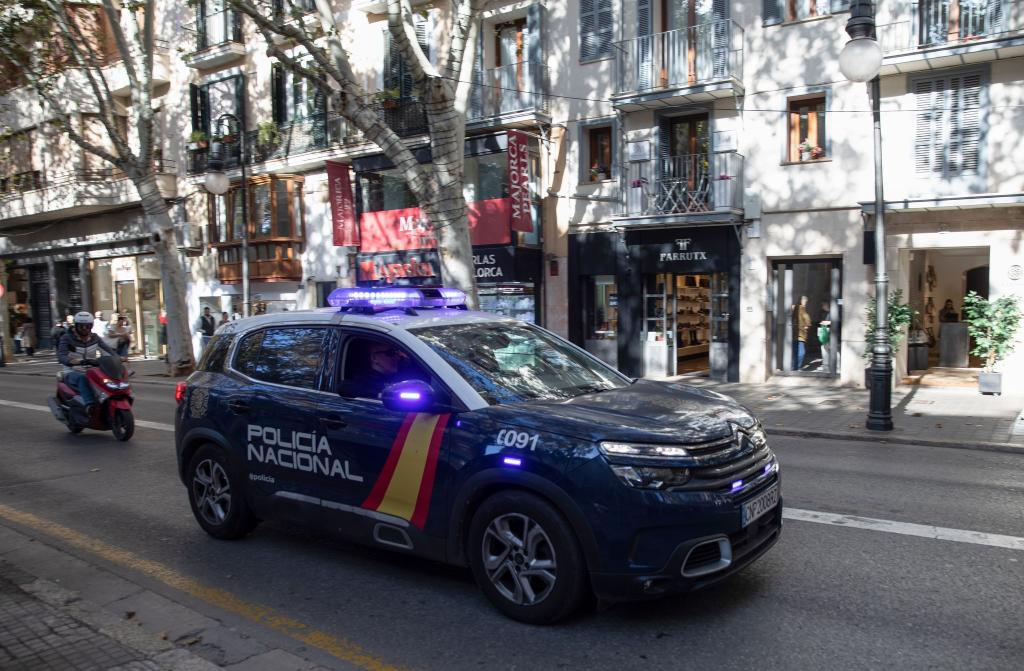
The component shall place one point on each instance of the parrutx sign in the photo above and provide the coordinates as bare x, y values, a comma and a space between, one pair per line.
683, 252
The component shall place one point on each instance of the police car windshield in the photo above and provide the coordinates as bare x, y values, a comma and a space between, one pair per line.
510, 362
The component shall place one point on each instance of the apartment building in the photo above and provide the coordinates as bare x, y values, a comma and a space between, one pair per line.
697, 171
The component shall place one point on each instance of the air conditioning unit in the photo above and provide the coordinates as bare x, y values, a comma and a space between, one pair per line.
189, 236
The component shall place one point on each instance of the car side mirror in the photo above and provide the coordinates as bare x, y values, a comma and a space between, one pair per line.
408, 396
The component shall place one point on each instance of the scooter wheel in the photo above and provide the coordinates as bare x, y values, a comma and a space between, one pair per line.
74, 428
122, 424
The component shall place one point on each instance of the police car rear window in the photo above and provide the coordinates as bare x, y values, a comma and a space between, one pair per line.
215, 353
289, 355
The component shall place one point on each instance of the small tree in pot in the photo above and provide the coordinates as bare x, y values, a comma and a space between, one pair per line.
900, 316
992, 324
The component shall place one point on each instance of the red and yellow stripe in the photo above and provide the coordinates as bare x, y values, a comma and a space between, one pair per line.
406, 482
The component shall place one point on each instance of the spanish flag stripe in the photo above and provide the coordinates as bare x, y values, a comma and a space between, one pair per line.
419, 516
381, 486
403, 490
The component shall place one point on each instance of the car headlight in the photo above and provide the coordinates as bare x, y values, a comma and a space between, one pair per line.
642, 450
651, 477
757, 436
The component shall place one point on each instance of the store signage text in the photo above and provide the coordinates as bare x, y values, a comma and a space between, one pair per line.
486, 267
519, 181
389, 271
683, 253
408, 229
343, 212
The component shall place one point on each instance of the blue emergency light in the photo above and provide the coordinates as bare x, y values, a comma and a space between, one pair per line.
385, 298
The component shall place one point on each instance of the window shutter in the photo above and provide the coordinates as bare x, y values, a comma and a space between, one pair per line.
477, 97
597, 25
929, 114
772, 12
965, 125
195, 100
839, 5
664, 147
279, 110
534, 54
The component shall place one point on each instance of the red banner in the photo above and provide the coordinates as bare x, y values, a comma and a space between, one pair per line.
519, 181
343, 210
399, 230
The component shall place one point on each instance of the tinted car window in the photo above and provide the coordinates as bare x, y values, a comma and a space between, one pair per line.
290, 356
370, 364
248, 354
215, 353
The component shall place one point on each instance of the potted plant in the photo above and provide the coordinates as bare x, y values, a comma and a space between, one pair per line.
992, 325
197, 140
598, 173
900, 317
267, 135
389, 98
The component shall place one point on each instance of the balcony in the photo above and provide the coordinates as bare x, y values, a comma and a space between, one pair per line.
948, 33
696, 187
218, 41
511, 95
43, 197
276, 260
117, 75
679, 66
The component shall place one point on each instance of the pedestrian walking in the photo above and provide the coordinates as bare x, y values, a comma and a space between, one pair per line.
801, 324
119, 336
57, 332
29, 339
207, 326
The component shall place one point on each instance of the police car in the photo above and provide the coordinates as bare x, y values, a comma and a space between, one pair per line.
398, 418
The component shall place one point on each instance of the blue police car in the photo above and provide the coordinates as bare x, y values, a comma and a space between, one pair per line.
398, 418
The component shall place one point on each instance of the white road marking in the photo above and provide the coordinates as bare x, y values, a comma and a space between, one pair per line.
906, 528
159, 426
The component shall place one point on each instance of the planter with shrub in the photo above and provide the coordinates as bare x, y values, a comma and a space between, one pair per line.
992, 325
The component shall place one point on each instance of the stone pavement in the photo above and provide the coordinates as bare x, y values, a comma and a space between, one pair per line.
44, 628
941, 416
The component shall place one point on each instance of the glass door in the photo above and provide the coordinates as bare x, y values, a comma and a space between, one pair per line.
659, 326
720, 318
807, 315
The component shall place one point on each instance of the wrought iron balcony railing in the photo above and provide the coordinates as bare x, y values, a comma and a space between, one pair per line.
935, 23
510, 89
689, 184
218, 28
679, 59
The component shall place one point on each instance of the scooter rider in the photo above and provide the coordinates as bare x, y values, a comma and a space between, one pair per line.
76, 347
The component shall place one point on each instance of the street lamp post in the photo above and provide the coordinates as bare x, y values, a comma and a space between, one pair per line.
861, 61
218, 183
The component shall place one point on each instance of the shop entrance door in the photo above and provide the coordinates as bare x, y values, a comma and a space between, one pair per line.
686, 324
807, 316
124, 294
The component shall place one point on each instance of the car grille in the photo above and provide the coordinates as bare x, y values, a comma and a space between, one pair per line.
719, 464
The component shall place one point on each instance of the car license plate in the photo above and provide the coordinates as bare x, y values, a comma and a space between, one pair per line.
755, 508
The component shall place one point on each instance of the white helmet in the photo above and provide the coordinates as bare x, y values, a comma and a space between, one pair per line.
83, 318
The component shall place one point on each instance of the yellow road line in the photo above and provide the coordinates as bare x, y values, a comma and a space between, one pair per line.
262, 615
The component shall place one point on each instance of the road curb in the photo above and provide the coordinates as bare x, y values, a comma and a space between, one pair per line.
980, 446
134, 380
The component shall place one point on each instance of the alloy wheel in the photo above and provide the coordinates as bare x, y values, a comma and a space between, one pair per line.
211, 490
519, 559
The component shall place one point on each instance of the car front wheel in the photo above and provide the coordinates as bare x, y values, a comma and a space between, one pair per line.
525, 558
216, 496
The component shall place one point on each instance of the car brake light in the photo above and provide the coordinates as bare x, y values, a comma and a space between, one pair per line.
179, 391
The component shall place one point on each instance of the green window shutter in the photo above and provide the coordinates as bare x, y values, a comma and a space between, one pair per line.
279, 110
771, 12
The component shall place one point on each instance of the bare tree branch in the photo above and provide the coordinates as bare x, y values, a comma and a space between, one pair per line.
122, 47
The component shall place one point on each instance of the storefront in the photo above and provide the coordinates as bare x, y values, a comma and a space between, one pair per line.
658, 302
131, 286
397, 246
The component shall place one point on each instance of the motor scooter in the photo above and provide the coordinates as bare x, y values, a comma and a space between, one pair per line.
112, 411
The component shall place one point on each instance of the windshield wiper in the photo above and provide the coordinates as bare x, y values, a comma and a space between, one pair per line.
581, 389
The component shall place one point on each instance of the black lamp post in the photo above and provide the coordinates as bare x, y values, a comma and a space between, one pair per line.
860, 61
218, 184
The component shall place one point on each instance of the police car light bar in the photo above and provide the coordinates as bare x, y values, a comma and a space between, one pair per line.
396, 297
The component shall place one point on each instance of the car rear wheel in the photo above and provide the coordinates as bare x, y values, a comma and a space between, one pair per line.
526, 559
216, 496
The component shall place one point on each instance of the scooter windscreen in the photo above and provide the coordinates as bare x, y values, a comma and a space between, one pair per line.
112, 367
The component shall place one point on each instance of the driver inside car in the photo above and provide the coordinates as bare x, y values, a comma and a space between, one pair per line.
79, 347
384, 365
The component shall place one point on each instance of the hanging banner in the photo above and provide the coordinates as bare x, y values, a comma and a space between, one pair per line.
343, 211
519, 181
405, 229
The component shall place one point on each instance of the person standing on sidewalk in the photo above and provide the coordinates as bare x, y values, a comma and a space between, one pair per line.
207, 326
801, 324
119, 336
99, 325
28, 336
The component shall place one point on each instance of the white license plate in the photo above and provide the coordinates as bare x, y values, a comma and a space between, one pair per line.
755, 508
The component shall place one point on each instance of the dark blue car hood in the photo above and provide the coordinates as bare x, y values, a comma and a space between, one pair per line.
646, 411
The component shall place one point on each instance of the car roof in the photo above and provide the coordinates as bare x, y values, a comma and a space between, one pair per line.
386, 319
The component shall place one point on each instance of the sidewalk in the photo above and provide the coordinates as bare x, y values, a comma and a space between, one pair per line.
44, 627
44, 364
940, 416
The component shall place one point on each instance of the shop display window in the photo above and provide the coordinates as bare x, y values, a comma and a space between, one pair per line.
602, 308
516, 301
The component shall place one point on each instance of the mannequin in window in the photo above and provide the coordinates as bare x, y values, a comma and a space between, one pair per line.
948, 313
801, 324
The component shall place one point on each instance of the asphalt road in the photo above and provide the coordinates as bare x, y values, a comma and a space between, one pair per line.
827, 596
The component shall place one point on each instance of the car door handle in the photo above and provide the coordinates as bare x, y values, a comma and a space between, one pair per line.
333, 422
238, 406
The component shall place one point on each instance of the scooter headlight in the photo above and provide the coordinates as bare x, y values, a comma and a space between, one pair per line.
114, 384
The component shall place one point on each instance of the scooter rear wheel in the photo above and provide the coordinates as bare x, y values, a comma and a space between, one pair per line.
74, 428
122, 424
